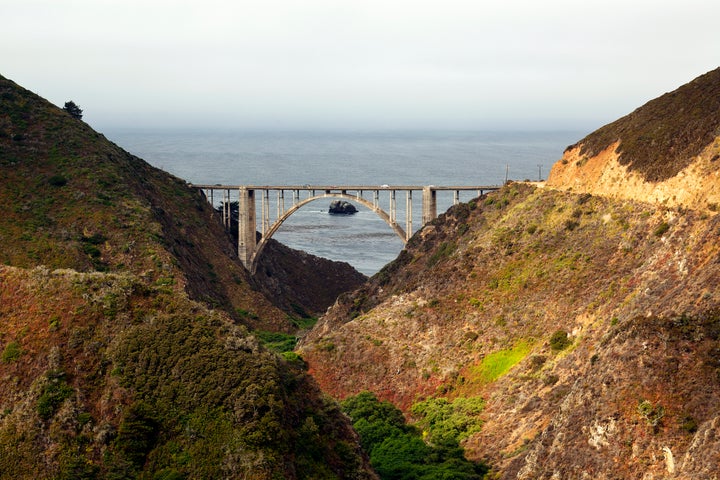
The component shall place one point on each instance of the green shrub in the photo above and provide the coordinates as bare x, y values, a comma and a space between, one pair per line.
53, 394
295, 359
91, 250
95, 239
280, 342
653, 414
689, 424
444, 250
661, 229
448, 423
246, 314
559, 340
304, 322
474, 302
397, 450
57, 181
11, 352
137, 433
77, 467
571, 224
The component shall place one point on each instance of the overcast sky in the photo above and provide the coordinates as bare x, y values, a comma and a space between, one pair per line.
468, 64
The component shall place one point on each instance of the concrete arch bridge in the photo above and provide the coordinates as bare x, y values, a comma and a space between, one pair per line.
250, 249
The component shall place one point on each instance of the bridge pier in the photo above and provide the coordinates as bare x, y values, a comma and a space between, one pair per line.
429, 212
408, 216
247, 239
393, 208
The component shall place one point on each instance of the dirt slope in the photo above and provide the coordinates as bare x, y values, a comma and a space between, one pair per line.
664, 152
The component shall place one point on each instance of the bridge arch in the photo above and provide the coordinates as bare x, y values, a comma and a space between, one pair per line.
279, 221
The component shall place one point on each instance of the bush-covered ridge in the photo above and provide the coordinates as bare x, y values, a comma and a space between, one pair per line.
112, 360
118, 380
75, 200
663, 136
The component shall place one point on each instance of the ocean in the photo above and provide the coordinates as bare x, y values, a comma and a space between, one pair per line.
346, 158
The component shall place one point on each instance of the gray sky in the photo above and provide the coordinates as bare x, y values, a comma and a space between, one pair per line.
356, 63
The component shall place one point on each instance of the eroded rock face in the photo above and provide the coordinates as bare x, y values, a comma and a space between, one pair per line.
665, 152
695, 186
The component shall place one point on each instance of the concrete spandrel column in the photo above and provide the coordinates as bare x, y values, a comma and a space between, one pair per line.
265, 212
408, 216
246, 226
393, 207
429, 212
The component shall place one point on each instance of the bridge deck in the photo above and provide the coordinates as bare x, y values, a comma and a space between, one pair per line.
347, 187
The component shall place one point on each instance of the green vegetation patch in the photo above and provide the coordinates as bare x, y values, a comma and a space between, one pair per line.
444, 250
661, 229
397, 450
449, 422
277, 341
53, 394
304, 322
11, 352
496, 364
560, 340
205, 390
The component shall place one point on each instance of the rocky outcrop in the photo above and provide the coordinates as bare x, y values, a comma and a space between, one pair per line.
341, 207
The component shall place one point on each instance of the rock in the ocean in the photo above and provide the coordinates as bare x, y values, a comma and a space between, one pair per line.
341, 207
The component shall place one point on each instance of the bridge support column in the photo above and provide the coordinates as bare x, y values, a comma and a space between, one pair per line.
280, 203
408, 216
226, 209
265, 203
393, 208
246, 227
429, 212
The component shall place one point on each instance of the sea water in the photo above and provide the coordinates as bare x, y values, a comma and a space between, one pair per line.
439, 158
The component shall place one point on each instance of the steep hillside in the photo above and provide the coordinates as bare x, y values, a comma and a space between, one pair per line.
588, 324
124, 316
303, 284
105, 377
664, 152
75, 200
